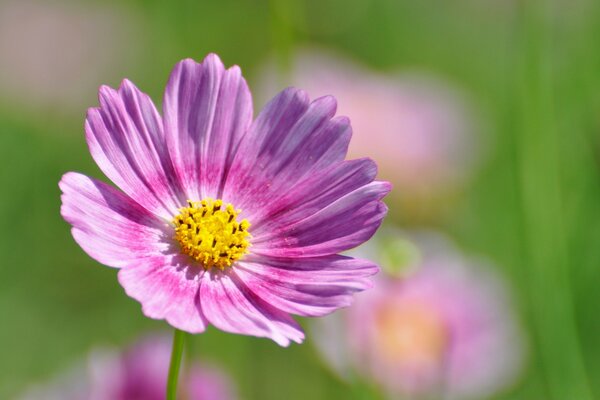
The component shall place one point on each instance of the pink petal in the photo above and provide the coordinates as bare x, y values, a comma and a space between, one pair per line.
206, 110
126, 140
308, 286
312, 194
167, 288
342, 225
290, 139
109, 226
229, 305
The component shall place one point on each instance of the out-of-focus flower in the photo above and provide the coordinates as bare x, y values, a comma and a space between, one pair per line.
54, 53
184, 250
418, 128
140, 373
444, 330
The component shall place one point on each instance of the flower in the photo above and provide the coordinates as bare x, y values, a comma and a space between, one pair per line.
224, 220
140, 372
446, 328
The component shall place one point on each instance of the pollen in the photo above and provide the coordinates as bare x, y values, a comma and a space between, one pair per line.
209, 232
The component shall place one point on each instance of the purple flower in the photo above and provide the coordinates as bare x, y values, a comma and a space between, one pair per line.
446, 329
141, 373
224, 220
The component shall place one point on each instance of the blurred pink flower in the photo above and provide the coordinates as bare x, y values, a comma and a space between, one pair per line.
418, 128
139, 373
444, 330
55, 53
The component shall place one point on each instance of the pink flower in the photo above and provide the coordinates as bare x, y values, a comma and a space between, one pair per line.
141, 373
445, 329
224, 220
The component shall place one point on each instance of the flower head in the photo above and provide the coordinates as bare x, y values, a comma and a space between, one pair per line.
224, 220
444, 328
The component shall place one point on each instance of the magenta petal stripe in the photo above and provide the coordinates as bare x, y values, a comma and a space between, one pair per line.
108, 225
307, 287
312, 194
167, 288
207, 109
342, 225
125, 138
245, 180
230, 306
290, 139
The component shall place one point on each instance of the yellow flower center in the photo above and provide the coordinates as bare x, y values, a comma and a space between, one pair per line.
210, 234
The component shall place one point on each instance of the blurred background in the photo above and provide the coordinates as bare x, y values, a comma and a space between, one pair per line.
483, 114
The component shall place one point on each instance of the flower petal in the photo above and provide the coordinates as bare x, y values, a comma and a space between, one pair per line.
206, 111
308, 286
290, 139
167, 288
126, 139
312, 194
342, 225
109, 226
229, 305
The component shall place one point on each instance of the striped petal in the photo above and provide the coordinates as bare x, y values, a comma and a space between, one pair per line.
342, 225
229, 305
109, 226
126, 139
309, 286
206, 109
167, 287
292, 138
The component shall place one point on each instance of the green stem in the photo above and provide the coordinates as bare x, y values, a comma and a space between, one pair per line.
176, 353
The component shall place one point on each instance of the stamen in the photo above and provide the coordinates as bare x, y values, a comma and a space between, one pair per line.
210, 234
